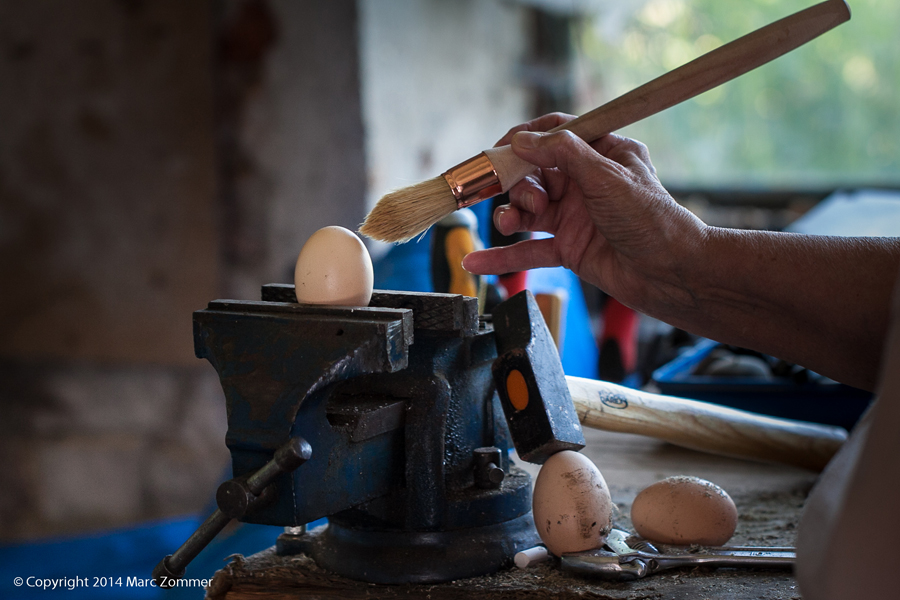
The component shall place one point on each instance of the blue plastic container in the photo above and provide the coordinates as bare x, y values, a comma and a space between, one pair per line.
825, 402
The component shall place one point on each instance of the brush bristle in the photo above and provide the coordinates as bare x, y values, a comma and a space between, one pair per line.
403, 214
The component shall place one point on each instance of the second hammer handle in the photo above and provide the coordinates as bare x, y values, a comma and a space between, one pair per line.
704, 426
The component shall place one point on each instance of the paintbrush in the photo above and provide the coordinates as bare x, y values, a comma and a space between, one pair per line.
401, 215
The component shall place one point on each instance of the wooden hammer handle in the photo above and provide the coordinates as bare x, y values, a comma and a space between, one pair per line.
704, 426
700, 75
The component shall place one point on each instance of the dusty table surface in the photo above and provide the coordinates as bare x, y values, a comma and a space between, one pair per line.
769, 499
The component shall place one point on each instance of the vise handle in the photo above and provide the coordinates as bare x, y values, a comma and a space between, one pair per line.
236, 498
704, 426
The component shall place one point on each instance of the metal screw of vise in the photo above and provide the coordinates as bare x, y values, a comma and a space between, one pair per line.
488, 473
235, 498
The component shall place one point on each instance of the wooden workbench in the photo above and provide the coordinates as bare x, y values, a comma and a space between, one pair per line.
769, 499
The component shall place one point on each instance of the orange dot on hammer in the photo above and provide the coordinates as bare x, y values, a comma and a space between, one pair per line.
517, 389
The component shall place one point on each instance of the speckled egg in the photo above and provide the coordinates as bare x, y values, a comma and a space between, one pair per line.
572, 507
334, 267
683, 511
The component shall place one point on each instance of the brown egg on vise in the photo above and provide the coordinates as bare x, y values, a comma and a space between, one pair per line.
334, 268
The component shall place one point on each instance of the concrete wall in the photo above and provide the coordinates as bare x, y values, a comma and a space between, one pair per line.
153, 156
290, 133
108, 243
90, 446
441, 81
157, 155
106, 176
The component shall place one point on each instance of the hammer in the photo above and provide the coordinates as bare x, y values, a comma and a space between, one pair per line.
544, 407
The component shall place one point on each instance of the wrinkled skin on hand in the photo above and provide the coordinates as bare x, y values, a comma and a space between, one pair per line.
613, 223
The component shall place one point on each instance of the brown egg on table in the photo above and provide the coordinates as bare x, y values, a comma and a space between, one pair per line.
571, 505
683, 511
334, 267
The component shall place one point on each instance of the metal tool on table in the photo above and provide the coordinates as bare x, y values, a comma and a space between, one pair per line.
531, 383
624, 558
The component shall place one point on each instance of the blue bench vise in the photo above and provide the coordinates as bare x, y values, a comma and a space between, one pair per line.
384, 419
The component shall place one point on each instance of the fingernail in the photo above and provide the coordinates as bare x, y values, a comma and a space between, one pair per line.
501, 212
528, 200
526, 139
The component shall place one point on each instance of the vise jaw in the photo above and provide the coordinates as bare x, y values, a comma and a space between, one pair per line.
277, 362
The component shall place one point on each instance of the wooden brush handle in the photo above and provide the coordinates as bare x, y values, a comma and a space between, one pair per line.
700, 75
704, 426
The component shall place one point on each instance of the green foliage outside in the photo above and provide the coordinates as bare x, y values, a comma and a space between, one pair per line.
827, 114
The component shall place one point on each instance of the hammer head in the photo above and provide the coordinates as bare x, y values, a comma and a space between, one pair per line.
531, 383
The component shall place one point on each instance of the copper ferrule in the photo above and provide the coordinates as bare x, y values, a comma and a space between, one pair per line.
473, 180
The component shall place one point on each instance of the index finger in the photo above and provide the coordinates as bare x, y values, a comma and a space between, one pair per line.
542, 123
521, 256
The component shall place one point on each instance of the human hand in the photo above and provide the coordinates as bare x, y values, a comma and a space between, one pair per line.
612, 222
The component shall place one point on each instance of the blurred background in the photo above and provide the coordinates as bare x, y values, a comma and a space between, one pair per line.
157, 155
